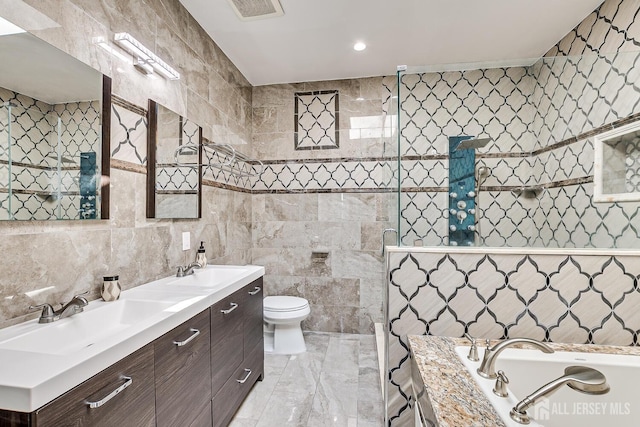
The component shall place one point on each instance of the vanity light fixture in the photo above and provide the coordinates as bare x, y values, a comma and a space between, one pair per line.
359, 46
145, 59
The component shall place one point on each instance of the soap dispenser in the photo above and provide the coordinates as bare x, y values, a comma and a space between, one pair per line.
201, 256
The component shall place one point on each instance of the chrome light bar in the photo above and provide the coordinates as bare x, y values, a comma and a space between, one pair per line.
145, 58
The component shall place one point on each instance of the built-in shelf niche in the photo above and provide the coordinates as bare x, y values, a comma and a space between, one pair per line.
617, 165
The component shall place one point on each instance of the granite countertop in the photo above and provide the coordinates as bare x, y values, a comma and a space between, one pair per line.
455, 397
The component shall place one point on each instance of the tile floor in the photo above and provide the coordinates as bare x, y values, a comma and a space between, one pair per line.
335, 383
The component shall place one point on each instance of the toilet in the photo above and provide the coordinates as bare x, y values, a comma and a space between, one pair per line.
282, 331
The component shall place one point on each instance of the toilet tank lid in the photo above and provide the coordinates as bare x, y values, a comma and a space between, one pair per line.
284, 303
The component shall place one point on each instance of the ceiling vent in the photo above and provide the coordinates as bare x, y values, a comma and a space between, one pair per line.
249, 10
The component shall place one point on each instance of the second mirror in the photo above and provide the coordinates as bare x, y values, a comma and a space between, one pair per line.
174, 178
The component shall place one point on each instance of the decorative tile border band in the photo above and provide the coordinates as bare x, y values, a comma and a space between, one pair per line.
128, 166
210, 183
117, 100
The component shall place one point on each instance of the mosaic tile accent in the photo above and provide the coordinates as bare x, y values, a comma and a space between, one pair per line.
317, 120
580, 298
128, 132
493, 103
541, 120
319, 175
41, 134
590, 85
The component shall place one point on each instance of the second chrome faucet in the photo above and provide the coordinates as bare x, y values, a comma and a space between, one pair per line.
487, 368
75, 306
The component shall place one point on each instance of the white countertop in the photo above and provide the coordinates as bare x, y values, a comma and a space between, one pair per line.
31, 378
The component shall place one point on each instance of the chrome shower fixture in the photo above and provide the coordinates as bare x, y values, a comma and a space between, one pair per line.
482, 173
473, 143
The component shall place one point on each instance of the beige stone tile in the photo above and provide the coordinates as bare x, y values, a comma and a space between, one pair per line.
332, 291
332, 319
54, 266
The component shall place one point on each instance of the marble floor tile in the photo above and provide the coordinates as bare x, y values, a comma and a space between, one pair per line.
287, 409
332, 384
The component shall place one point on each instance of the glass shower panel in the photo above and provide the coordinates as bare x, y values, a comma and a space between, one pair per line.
5, 162
533, 179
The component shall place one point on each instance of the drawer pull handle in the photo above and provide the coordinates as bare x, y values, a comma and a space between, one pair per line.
111, 395
244, 380
188, 340
233, 307
255, 290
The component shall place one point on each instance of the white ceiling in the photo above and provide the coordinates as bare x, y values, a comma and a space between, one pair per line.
314, 39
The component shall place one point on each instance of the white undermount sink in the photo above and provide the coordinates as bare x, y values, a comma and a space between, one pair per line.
211, 276
84, 329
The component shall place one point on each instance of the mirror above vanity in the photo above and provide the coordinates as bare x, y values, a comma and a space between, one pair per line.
174, 178
54, 127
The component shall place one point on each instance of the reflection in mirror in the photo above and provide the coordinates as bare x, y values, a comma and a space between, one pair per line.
52, 126
174, 178
617, 164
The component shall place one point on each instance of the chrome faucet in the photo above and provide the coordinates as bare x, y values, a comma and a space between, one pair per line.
580, 378
75, 306
487, 368
187, 269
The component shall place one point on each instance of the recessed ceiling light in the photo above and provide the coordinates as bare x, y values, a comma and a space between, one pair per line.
359, 46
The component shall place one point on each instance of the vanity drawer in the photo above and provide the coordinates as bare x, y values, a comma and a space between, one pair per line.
253, 329
227, 338
231, 395
133, 405
183, 372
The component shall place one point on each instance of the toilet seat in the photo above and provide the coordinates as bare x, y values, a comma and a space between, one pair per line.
285, 304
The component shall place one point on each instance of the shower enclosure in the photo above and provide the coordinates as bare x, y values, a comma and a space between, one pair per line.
48, 166
502, 157
525, 176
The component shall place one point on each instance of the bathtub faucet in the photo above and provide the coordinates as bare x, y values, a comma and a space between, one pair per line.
487, 368
580, 378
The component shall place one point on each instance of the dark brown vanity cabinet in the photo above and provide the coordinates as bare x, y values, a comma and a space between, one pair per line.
237, 350
121, 395
196, 375
183, 372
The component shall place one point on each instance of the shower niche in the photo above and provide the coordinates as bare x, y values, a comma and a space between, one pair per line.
617, 165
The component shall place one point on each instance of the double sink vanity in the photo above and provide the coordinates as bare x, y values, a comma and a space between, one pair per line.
177, 351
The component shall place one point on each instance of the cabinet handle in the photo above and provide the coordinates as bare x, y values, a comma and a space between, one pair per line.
244, 380
111, 395
233, 307
188, 340
255, 290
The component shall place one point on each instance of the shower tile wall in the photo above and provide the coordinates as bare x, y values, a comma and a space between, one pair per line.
60, 259
318, 214
553, 297
533, 115
34, 153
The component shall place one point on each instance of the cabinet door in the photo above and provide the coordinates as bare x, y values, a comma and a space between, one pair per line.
183, 372
204, 419
121, 395
227, 338
253, 320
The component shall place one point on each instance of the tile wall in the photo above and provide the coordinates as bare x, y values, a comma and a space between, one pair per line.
51, 261
560, 296
556, 295
319, 207
542, 120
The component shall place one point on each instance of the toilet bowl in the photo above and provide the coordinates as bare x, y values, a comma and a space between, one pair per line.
282, 331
